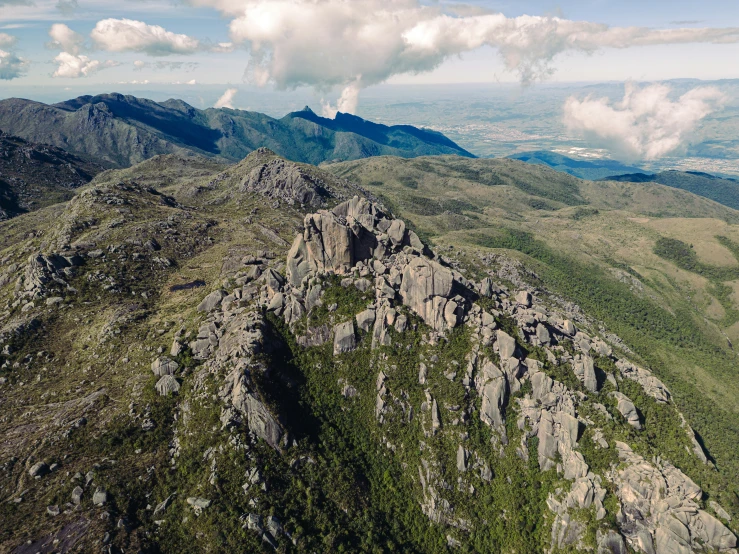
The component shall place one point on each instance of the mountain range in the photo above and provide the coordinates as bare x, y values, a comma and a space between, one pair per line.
435, 354
123, 130
592, 169
723, 190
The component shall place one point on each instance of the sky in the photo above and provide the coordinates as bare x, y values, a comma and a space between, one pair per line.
339, 48
244, 42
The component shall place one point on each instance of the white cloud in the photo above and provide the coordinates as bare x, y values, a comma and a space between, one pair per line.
226, 101
357, 43
122, 35
223, 47
74, 66
11, 66
70, 62
647, 124
347, 101
65, 39
140, 65
7, 41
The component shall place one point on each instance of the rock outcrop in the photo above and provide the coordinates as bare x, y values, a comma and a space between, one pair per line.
282, 180
660, 509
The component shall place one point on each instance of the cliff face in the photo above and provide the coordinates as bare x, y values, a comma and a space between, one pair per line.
266, 359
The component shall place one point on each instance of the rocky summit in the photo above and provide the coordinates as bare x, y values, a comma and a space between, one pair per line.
266, 358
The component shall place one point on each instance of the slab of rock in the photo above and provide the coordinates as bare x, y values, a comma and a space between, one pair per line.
211, 302
77, 495
585, 369
542, 333
569, 328
461, 459
506, 345
167, 385
39, 469
164, 366
627, 409
425, 289
198, 504
344, 338
99, 497
366, 319
524, 298
260, 421
492, 386
611, 543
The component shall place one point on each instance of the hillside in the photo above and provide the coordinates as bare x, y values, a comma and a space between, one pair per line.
723, 191
264, 357
33, 176
585, 169
123, 130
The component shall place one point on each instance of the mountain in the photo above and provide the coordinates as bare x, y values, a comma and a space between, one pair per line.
722, 190
35, 175
591, 169
123, 130
383, 355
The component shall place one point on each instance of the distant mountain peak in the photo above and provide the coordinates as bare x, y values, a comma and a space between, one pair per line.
122, 130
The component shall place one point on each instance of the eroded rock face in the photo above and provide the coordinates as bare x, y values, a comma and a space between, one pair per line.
44, 271
627, 409
660, 510
167, 385
356, 233
425, 289
164, 366
286, 181
344, 338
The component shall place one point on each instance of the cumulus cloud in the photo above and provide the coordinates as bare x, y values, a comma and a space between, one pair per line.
65, 39
226, 101
71, 63
347, 102
74, 66
128, 35
354, 44
647, 124
11, 66
7, 41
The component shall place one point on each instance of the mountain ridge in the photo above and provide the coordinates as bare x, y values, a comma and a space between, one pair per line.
122, 130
